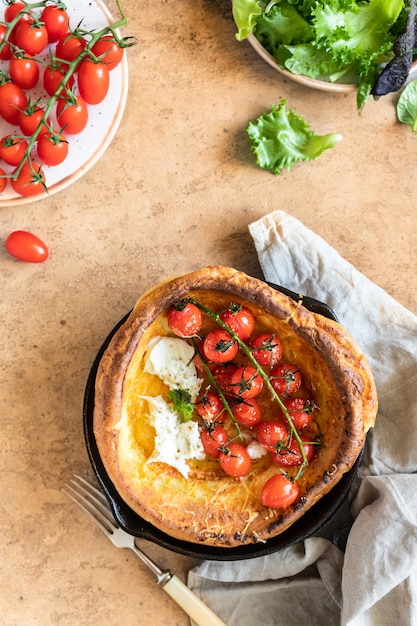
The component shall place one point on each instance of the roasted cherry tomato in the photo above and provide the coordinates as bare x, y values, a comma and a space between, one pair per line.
72, 117
290, 456
5, 51
30, 119
30, 181
52, 78
240, 320
93, 81
52, 148
285, 378
24, 72
26, 246
108, 51
210, 406
219, 346
31, 37
222, 374
185, 319
267, 349
246, 382
69, 47
12, 149
3, 180
214, 439
279, 492
247, 412
56, 22
300, 411
272, 435
234, 459
12, 101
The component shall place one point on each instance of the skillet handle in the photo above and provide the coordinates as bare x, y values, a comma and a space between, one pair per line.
337, 528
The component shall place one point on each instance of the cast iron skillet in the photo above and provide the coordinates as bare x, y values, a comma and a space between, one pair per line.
329, 518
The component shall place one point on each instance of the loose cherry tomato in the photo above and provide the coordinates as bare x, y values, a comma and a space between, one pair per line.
31, 37
30, 119
272, 435
285, 378
234, 459
56, 22
213, 439
290, 456
52, 79
248, 412
5, 52
93, 81
210, 406
24, 72
300, 411
222, 374
246, 382
69, 47
219, 347
72, 116
185, 319
279, 492
30, 180
108, 51
12, 149
267, 349
26, 247
52, 148
12, 101
3, 180
240, 320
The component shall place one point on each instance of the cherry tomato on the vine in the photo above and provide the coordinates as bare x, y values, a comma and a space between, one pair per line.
108, 51
3, 180
235, 460
12, 149
5, 51
210, 406
31, 37
185, 319
213, 439
300, 411
248, 412
240, 320
56, 22
26, 247
222, 374
13, 9
30, 180
290, 456
219, 346
53, 77
272, 435
246, 382
279, 492
24, 72
285, 378
30, 119
52, 148
69, 47
12, 101
72, 116
93, 81
267, 349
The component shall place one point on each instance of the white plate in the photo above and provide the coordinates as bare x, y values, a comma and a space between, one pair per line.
87, 147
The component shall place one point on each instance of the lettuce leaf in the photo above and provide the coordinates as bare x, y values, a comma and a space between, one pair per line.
280, 138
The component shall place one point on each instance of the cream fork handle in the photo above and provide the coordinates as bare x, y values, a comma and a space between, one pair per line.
192, 605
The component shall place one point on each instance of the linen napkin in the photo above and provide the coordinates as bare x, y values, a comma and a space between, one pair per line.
374, 583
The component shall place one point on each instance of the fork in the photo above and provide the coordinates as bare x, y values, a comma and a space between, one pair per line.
93, 502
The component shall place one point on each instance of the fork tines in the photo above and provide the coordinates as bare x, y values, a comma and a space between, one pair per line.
92, 501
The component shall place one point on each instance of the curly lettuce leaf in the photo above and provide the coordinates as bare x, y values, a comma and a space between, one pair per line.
280, 138
407, 106
245, 14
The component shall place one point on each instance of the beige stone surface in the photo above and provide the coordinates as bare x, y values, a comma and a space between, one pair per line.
175, 191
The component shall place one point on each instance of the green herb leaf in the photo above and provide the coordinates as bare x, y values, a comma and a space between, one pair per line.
181, 400
407, 106
281, 137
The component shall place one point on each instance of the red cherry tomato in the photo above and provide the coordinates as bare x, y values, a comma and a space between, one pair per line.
72, 118
279, 492
240, 320
285, 378
13, 9
210, 406
272, 435
26, 247
69, 47
5, 52
246, 382
12, 101
30, 181
24, 72
219, 346
290, 456
300, 411
31, 37
3, 180
235, 460
248, 412
53, 77
12, 149
93, 81
222, 374
52, 148
108, 51
267, 349
185, 319
56, 22
213, 439
30, 119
